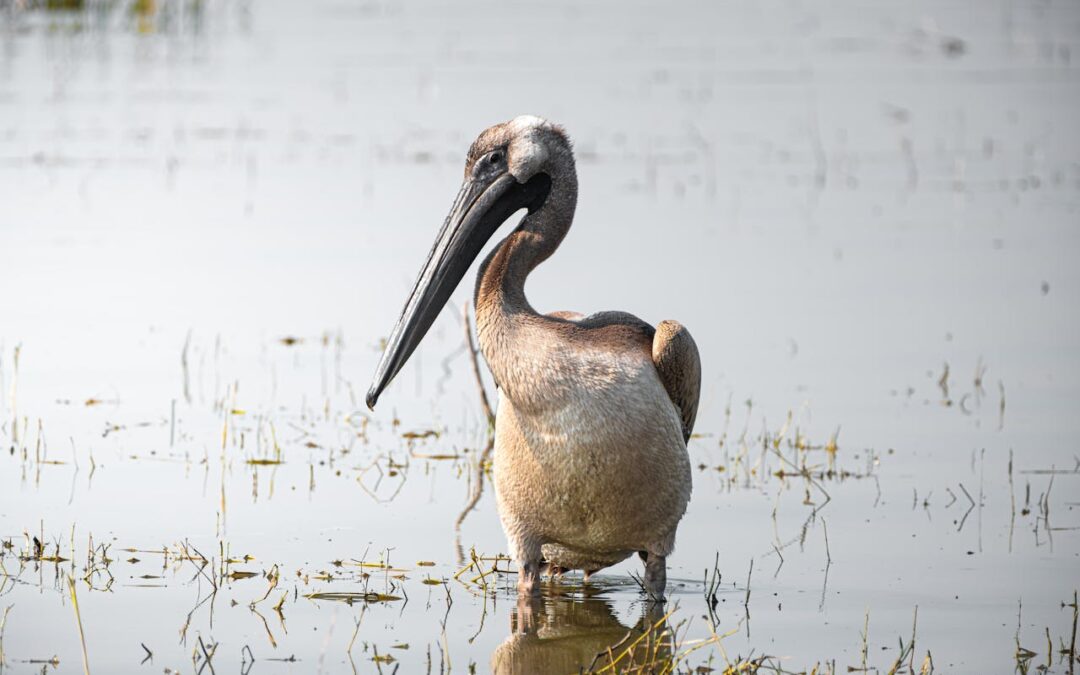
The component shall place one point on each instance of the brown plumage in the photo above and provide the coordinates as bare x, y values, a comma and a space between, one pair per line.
676, 357
594, 411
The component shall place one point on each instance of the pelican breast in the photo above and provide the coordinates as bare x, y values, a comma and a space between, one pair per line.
589, 448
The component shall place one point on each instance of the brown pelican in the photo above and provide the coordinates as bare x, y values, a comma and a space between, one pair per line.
595, 411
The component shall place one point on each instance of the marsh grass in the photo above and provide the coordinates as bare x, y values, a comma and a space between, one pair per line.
79, 624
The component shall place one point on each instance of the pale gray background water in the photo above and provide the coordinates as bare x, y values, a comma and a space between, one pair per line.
836, 200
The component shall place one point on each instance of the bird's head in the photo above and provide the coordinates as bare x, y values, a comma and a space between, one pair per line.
523, 148
510, 166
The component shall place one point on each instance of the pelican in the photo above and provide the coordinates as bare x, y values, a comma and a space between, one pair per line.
594, 412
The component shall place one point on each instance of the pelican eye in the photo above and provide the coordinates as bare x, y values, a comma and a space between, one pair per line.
495, 157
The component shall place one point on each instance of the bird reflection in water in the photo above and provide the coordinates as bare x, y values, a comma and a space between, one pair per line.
560, 634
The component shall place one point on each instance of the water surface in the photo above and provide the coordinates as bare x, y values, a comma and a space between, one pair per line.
866, 215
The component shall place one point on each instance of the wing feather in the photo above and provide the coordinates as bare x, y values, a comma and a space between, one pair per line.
675, 355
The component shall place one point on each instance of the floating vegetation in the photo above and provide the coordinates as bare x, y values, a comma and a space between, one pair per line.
264, 462
351, 597
416, 435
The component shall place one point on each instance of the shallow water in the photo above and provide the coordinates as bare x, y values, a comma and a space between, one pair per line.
211, 215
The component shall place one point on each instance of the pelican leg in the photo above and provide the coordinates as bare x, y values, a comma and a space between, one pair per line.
530, 562
655, 576
529, 577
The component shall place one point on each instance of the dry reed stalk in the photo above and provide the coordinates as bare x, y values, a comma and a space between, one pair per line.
78, 623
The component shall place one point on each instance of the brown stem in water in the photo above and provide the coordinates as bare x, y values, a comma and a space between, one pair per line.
485, 455
484, 404
478, 483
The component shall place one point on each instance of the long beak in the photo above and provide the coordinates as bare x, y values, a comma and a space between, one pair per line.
479, 210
